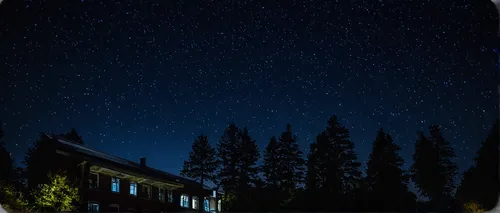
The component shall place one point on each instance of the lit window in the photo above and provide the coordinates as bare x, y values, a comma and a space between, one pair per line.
161, 194
170, 197
213, 205
93, 180
93, 207
133, 188
206, 205
115, 184
146, 191
185, 200
195, 202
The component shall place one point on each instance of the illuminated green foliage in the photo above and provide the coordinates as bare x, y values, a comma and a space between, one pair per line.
473, 206
57, 195
228, 200
13, 200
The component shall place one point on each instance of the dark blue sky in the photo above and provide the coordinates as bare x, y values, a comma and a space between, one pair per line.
144, 78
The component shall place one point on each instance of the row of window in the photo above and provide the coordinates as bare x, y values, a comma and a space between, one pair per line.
195, 203
146, 192
115, 187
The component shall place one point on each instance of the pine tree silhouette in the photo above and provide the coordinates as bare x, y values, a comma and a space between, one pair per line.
385, 179
202, 163
73, 136
480, 183
433, 170
6, 161
333, 169
283, 168
238, 154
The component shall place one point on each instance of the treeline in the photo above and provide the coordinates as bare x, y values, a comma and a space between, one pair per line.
328, 178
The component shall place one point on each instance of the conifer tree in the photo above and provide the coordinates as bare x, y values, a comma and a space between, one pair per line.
202, 163
433, 170
424, 162
385, 179
291, 160
479, 183
333, 166
227, 152
283, 166
271, 164
6, 162
73, 136
249, 155
238, 153
41, 159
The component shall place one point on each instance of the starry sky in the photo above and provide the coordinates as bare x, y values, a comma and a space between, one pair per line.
144, 78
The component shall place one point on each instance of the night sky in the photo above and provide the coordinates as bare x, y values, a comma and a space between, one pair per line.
144, 78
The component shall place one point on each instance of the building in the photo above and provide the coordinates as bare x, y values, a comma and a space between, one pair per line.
112, 184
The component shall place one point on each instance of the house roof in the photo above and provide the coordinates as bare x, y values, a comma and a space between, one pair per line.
104, 159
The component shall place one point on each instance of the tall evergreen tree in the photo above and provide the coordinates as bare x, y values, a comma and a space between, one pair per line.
6, 162
446, 157
202, 163
424, 162
291, 160
271, 194
332, 162
433, 170
249, 155
73, 136
238, 153
480, 182
227, 152
40, 160
283, 166
271, 164
385, 179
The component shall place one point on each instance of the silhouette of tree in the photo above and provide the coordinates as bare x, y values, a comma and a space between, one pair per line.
479, 185
270, 171
73, 136
283, 167
424, 162
271, 164
238, 154
6, 162
291, 160
332, 165
228, 155
249, 155
41, 159
386, 181
433, 170
202, 163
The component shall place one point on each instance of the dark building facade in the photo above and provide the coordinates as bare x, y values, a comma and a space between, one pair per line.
112, 184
